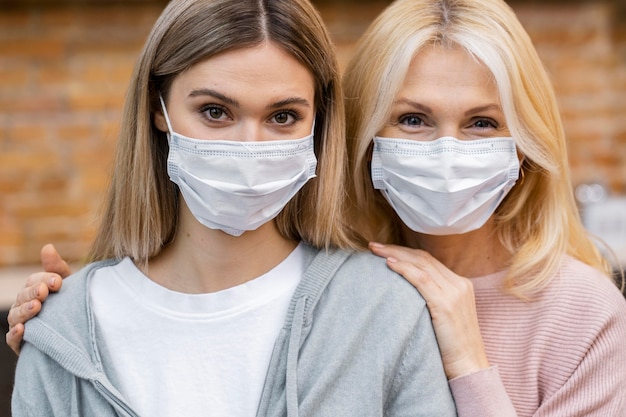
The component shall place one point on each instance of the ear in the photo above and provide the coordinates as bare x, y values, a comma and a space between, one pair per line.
159, 121
520, 157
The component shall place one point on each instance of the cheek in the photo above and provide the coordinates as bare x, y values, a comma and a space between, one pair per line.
390, 131
183, 121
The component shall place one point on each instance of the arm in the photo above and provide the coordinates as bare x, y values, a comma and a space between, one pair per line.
419, 387
37, 288
597, 385
476, 387
32, 392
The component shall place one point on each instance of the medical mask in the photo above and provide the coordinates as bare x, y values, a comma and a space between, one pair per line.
238, 186
446, 186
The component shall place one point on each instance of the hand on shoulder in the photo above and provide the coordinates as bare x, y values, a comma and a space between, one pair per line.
29, 299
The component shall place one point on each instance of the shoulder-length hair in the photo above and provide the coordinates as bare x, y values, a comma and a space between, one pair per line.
538, 222
141, 211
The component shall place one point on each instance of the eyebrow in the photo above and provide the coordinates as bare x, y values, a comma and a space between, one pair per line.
231, 101
481, 109
427, 109
415, 104
209, 92
290, 101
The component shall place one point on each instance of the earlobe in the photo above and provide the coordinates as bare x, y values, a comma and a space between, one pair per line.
159, 121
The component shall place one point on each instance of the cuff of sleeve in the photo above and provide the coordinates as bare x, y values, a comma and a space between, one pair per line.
481, 393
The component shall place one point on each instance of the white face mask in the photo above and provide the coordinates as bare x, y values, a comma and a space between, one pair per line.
238, 186
446, 186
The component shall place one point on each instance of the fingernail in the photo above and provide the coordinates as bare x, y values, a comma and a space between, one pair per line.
51, 282
392, 260
31, 305
376, 245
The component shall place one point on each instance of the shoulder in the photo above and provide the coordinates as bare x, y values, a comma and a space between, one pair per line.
63, 330
582, 285
72, 297
66, 314
363, 298
366, 270
365, 281
583, 298
367, 267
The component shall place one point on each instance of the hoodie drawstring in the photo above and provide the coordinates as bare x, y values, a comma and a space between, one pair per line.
292, 358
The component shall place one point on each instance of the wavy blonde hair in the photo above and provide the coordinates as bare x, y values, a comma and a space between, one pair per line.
538, 222
141, 211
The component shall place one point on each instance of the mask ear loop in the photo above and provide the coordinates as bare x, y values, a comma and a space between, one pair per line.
167, 118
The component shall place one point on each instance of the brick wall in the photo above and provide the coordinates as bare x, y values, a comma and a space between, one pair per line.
64, 71
63, 76
583, 50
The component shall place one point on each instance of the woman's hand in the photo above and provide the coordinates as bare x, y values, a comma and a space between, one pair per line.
37, 288
450, 300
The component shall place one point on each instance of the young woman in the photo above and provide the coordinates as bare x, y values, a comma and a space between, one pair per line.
459, 156
222, 278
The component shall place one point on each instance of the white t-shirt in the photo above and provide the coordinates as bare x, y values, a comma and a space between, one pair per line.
176, 354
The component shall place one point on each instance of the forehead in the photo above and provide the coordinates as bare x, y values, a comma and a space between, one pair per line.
266, 69
448, 69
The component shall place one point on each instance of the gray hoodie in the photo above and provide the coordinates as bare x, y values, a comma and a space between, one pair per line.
357, 341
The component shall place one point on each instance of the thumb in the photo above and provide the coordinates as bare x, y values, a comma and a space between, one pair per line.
52, 261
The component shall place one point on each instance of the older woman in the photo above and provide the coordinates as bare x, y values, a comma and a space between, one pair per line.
459, 156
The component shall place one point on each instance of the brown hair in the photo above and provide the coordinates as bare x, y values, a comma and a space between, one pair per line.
141, 212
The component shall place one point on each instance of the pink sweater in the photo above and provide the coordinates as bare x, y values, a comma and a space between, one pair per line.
562, 354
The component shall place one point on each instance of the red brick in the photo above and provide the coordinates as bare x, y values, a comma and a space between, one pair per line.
11, 186
37, 209
117, 75
10, 238
49, 49
75, 132
15, 21
26, 102
15, 76
79, 100
51, 183
55, 74
26, 164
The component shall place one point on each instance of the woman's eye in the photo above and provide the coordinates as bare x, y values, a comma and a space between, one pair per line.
214, 112
282, 118
285, 118
485, 124
411, 120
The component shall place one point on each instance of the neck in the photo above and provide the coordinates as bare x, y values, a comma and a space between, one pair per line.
474, 254
203, 260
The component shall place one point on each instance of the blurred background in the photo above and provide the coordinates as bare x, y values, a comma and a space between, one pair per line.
64, 68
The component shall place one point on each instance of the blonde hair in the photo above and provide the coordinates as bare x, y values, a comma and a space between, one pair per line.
538, 222
141, 212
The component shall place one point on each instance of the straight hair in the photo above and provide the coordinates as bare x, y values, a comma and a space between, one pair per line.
141, 211
538, 221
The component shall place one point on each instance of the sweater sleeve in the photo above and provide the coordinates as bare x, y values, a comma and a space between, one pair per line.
597, 387
560, 355
420, 387
34, 393
482, 394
